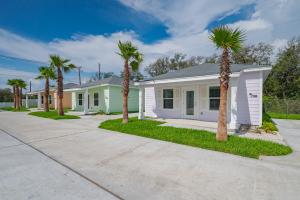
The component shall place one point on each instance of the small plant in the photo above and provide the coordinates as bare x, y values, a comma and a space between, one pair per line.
269, 127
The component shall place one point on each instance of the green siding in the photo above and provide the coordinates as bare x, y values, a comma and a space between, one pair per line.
110, 99
116, 96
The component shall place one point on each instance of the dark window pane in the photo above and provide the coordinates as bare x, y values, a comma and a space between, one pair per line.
50, 99
168, 93
96, 99
42, 100
214, 104
168, 103
214, 92
80, 99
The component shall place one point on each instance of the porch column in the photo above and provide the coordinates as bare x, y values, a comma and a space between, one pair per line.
233, 104
141, 102
39, 101
26, 101
85, 102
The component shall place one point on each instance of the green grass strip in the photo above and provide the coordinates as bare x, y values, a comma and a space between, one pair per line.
246, 147
53, 115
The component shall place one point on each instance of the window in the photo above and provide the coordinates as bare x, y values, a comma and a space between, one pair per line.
214, 98
42, 99
168, 98
80, 99
96, 99
50, 99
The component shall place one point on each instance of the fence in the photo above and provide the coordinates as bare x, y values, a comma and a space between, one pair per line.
285, 106
31, 103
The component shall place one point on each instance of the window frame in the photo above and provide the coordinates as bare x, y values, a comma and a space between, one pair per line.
80, 100
96, 99
168, 98
211, 98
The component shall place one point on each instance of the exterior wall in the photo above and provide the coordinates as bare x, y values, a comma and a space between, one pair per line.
243, 107
51, 105
249, 98
110, 99
116, 96
102, 101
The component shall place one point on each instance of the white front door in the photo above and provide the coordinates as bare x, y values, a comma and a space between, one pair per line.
189, 103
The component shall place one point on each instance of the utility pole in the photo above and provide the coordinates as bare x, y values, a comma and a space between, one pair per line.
99, 72
79, 75
29, 86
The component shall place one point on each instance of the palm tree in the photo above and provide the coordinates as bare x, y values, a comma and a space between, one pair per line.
46, 73
229, 40
22, 85
60, 65
13, 83
132, 58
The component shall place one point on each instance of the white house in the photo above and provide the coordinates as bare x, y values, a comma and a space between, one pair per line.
193, 93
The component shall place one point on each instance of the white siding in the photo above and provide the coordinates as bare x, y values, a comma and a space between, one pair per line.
150, 102
249, 93
242, 107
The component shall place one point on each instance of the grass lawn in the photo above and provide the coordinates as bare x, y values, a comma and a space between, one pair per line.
22, 109
252, 148
284, 116
53, 115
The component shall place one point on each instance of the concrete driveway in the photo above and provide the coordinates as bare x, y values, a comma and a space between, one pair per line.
132, 167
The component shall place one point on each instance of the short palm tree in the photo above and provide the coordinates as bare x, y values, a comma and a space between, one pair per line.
13, 84
229, 40
132, 58
60, 65
22, 85
46, 73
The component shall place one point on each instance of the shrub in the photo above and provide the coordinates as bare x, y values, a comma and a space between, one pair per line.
269, 127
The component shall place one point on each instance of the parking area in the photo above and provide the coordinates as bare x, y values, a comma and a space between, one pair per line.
129, 167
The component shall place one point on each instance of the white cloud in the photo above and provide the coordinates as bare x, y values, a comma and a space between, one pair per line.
274, 21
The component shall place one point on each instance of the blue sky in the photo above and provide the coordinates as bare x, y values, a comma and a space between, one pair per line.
87, 31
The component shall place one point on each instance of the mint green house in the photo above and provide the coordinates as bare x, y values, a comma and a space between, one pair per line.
103, 96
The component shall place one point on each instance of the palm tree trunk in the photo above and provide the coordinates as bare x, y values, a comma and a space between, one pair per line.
46, 96
224, 82
17, 98
21, 97
125, 92
60, 91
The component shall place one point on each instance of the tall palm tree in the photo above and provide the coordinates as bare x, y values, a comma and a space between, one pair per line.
46, 73
60, 65
22, 85
229, 40
13, 83
132, 58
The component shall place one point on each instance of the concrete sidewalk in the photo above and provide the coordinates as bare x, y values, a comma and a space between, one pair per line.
140, 168
27, 174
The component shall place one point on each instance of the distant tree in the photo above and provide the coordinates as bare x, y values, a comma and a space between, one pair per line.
178, 61
6, 95
95, 77
22, 85
259, 54
13, 84
284, 79
134, 76
213, 59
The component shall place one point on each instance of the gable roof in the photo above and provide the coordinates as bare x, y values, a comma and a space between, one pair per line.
113, 80
204, 70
